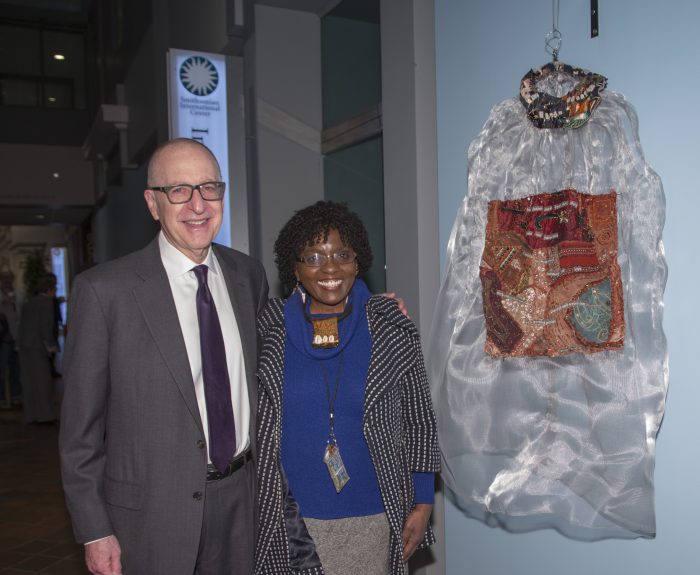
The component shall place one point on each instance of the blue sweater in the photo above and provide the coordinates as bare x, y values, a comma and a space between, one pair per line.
305, 415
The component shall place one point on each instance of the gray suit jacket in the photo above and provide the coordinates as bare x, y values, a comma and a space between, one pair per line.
133, 457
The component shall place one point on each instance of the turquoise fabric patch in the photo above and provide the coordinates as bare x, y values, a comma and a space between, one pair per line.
592, 315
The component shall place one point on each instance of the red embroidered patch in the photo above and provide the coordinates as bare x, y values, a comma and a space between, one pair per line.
550, 277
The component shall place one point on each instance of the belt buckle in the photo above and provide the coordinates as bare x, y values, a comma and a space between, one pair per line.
213, 474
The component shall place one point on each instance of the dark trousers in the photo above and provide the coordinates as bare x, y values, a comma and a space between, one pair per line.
228, 531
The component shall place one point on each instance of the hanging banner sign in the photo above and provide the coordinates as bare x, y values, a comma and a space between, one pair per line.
197, 109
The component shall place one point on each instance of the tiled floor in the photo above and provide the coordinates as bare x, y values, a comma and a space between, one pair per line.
35, 533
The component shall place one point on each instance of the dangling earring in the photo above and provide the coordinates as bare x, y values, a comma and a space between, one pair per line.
301, 291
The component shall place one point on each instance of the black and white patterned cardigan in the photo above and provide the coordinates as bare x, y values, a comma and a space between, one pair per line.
399, 427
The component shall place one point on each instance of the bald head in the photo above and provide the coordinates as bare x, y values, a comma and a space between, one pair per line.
165, 151
191, 226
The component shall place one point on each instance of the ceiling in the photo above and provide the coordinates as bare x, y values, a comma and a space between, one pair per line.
61, 24
56, 12
12, 215
366, 10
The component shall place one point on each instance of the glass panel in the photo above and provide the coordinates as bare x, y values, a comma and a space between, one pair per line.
58, 94
58, 267
351, 82
19, 91
351, 60
19, 51
71, 67
355, 176
41, 68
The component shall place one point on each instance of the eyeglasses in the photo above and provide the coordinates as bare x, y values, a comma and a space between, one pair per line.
182, 193
316, 260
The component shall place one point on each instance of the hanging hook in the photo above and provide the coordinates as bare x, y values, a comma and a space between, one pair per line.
552, 40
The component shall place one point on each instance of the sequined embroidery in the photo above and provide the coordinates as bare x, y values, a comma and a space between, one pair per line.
550, 277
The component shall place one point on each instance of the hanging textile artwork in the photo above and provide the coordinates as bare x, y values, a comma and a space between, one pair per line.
547, 356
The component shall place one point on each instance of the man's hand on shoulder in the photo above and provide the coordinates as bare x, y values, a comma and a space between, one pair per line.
103, 557
399, 300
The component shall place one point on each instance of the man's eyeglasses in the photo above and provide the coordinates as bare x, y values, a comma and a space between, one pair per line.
182, 193
316, 260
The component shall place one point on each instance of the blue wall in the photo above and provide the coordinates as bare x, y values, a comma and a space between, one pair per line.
650, 52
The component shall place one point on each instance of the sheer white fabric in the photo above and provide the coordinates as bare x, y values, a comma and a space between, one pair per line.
565, 442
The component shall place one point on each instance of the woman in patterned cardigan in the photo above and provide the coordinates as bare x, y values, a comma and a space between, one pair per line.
346, 431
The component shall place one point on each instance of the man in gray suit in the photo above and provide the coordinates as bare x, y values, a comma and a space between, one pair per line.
141, 437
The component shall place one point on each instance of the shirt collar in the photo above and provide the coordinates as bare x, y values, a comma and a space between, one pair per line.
178, 264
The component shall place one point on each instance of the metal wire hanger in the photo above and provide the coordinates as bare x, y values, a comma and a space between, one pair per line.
552, 40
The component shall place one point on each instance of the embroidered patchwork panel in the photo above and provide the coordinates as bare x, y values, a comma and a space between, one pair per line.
550, 277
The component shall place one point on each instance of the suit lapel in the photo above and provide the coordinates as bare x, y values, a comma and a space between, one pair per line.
155, 300
244, 307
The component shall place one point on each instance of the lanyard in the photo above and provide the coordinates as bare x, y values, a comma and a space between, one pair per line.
331, 399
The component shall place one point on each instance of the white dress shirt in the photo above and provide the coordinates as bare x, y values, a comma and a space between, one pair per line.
183, 284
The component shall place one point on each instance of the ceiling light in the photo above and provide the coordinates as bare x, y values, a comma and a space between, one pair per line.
40, 217
59, 57
52, 99
56, 175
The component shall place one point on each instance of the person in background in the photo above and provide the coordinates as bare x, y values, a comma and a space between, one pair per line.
9, 357
58, 326
157, 427
4, 333
37, 346
347, 442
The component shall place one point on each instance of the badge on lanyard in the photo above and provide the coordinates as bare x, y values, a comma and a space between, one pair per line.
331, 455
336, 467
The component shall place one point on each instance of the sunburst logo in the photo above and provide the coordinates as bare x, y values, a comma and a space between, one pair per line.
199, 76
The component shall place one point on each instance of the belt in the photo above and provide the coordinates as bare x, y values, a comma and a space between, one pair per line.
213, 474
